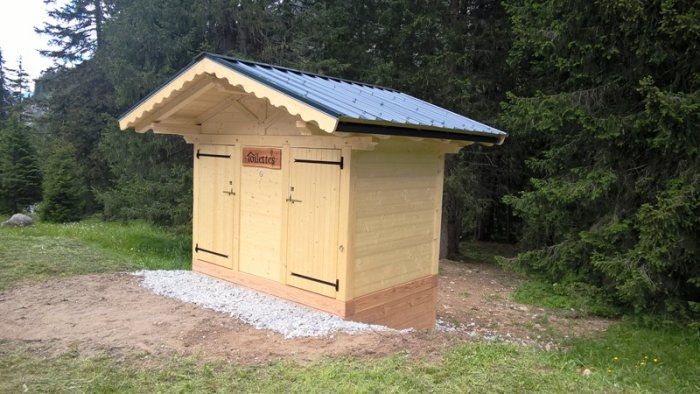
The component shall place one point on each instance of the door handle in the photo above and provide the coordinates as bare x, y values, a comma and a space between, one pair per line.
230, 193
290, 199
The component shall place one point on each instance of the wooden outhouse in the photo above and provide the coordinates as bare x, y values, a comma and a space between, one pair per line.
318, 190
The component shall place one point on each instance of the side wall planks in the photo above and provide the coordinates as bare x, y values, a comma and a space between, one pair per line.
397, 189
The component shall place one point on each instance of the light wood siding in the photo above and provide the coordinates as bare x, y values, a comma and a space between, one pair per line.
312, 232
251, 116
395, 206
261, 220
214, 205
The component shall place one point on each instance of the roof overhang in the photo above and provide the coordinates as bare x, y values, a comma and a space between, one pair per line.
159, 111
202, 76
393, 129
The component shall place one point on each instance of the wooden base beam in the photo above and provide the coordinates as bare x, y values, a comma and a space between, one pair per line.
409, 305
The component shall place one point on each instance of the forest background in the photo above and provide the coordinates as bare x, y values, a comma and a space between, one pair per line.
598, 181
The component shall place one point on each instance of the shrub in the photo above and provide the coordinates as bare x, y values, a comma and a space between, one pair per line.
64, 188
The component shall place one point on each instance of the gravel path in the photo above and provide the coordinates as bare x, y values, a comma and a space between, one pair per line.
258, 310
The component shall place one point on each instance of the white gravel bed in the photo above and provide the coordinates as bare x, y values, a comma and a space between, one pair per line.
259, 310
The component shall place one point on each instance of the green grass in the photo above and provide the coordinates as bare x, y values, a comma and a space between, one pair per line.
577, 298
474, 367
48, 250
675, 349
621, 360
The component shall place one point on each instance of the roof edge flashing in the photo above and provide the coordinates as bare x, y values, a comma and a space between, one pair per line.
443, 134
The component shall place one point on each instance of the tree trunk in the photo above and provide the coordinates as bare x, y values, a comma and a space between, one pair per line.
453, 237
99, 22
242, 38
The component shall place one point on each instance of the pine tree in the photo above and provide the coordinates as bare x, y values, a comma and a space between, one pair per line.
5, 96
77, 105
20, 176
18, 82
63, 188
77, 31
607, 99
75, 96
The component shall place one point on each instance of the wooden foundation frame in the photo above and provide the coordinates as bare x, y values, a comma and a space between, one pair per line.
408, 305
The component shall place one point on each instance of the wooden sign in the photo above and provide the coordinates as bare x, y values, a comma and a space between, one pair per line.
262, 157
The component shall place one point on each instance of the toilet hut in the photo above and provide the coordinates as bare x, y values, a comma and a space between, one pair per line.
319, 190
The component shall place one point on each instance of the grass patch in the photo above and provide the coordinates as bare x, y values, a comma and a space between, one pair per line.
626, 354
37, 258
473, 367
583, 299
470, 368
628, 358
53, 250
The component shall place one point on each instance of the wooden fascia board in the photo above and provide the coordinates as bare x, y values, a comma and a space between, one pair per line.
416, 131
249, 85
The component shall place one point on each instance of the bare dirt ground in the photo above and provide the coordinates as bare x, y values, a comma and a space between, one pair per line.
112, 313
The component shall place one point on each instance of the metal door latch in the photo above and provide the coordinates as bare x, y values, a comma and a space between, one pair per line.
290, 199
230, 193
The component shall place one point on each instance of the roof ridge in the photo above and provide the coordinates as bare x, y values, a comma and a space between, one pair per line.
289, 69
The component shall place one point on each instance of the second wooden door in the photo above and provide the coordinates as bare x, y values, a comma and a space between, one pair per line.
312, 224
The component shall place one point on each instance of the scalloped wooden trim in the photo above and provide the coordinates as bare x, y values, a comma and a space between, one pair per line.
141, 114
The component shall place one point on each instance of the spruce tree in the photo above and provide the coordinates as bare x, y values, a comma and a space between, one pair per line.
607, 101
77, 30
5, 96
63, 189
20, 176
75, 97
18, 82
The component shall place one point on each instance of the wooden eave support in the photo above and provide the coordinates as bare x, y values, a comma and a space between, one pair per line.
175, 104
356, 143
175, 128
221, 107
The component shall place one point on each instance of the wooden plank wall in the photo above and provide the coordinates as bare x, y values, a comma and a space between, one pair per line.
396, 198
261, 202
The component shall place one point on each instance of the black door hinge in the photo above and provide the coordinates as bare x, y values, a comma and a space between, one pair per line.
335, 163
336, 284
212, 155
198, 249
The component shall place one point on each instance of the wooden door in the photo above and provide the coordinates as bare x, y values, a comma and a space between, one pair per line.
312, 223
214, 204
